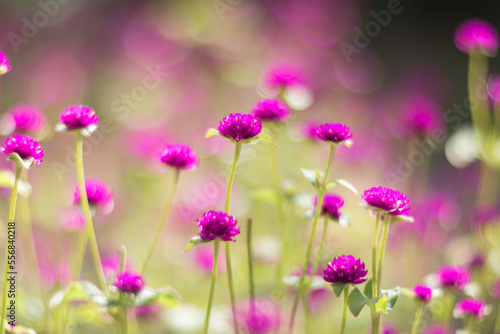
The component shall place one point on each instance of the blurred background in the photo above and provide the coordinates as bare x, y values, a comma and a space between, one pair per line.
160, 72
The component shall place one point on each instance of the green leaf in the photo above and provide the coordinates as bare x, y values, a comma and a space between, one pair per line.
342, 183
145, 297
93, 292
265, 138
112, 303
7, 179
338, 288
195, 241
392, 297
267, 195
212, 132
166, 296
357, 300
25, 163
81, 291
367, 290
312, 176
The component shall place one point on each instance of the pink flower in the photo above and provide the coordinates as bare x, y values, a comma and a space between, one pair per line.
271, 110
4, 64
179, 156
333, 132
423, 292
73, 220
25, 147
263, 317
345, 269
99, 195
477, 35
470, 307
283, 76
239, 127
216, 224
78, 118
453, 277
23, 118
129, 282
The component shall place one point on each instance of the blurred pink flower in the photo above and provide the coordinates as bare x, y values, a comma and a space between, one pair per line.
23, 118
73, 220
476, 35
111, 265
4, 64
263, 317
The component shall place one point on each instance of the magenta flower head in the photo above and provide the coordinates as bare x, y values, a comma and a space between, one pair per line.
453, 277
238, 127
476, 35
421, 116
387, 201
335, 133
99, 195
470, 307
345, 269
78, 118
26, 148
423, 292
4, 64
331, 205
260, 318
216, 224
271, 110
283, 76
179, 156
129, 282
23, 118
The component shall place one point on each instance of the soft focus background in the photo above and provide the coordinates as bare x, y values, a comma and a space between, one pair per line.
159, 72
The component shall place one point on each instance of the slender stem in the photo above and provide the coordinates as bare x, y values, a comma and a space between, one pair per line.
89, 232
381, 252
124, 321
344, 310
376, 325
321, 245
227, 207
497, 324
123, 258
212, 285
470, 325
162, 222
307, 315
374, 256
449, 303
12, 217
329, 163
250, 265
416, 322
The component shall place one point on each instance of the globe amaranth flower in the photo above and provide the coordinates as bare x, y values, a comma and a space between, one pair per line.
78, 118
271, 110
217, 224
260, 318
345, 269
239, 127
23, 118
331, 205
25, 147
179, 156
283, 76
129, 282
453, 277
470, 307
423, 292
421, 116
387, 200
99, 195
333, 132
476, 35
4, 64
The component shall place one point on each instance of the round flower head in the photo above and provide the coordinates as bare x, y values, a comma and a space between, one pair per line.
179, 156
271, 110
423, 292
216, 224
4, 64
421, 116
79, 117
345, 269
333, 132
453, 277
283, 76
23, 118
470, 307
25, 147
331, 205
388, 200
240, 126
129, 282
477, 36
99, 195
262, 318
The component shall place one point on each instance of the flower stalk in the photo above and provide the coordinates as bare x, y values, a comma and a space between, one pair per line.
212, 285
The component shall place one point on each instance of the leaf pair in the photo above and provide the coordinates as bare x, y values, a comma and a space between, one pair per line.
213, 132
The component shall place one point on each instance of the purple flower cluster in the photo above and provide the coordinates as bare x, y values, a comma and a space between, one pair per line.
271, 110
79, 117
470, 307
331, 205
216, 224
333, 132
99, 194
453, 277
388, 200
25, 147
4, 64
129, 282
179, 156
239, 127
477, 35
345, 269
23, 118
423, 292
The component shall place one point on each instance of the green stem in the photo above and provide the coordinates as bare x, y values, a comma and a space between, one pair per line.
374, 256
237, 152
450, 302
329, 163
375, 322
307, 315
416, 322
470, 325
321, 246
124, 321
89, 232
123, 259
344, 310
212, 285
250, 265
162, 222
381, 252
12, 216
497, 324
